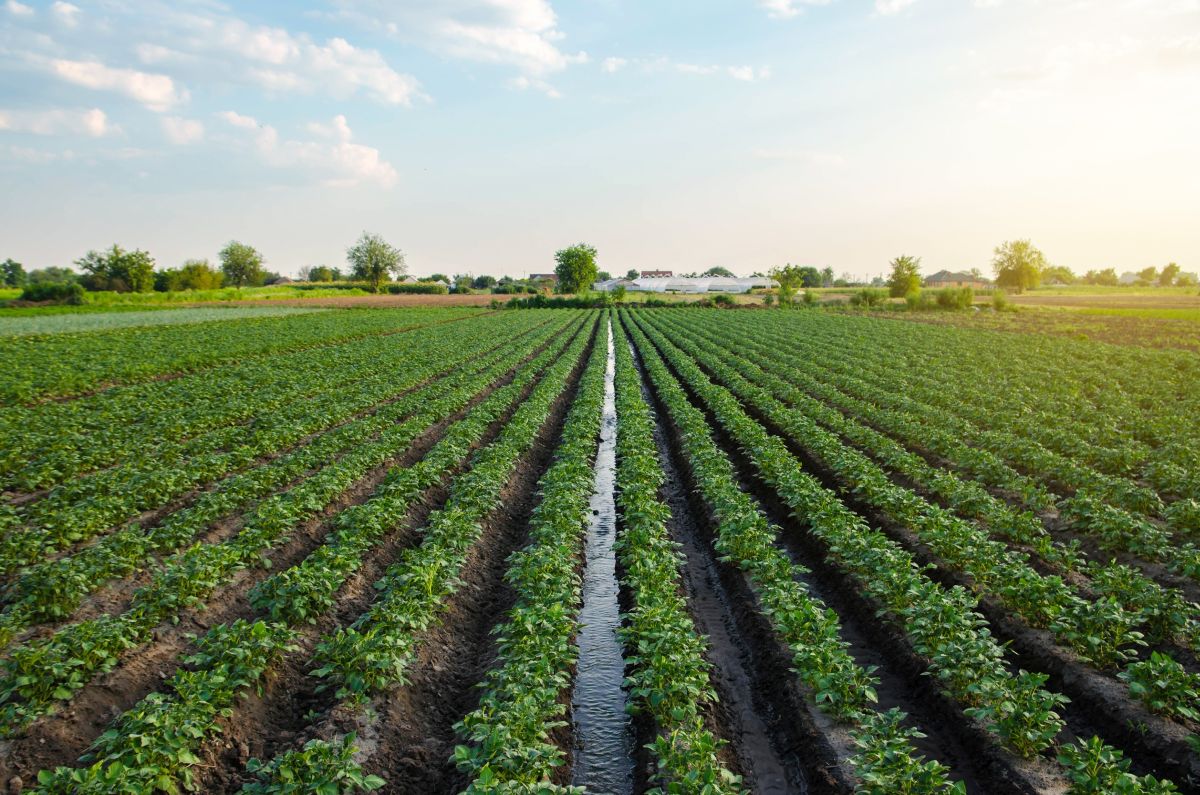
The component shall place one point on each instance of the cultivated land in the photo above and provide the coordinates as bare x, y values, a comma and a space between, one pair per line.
348, 550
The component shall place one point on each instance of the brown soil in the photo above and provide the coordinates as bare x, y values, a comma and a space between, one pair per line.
114, 597
952, 737
60, 738
408, 731
1099, 703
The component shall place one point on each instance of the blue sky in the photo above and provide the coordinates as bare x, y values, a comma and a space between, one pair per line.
481, 135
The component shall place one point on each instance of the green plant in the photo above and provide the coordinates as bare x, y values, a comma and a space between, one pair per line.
320, 768
1164, 686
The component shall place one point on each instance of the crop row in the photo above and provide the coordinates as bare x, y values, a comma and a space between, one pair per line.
1165, 612
1095, 508
85, 507
373, 654
1100, 630
887, 760
38, 367
508, 736
1059, 430
52, 669
54, 442
55, 588
668, 674
171, 753
941, 623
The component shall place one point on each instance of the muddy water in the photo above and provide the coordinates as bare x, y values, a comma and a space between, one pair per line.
603, 759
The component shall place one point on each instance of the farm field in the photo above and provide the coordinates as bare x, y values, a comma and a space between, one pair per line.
444, 549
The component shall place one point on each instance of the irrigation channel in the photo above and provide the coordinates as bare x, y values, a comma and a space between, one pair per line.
603, 757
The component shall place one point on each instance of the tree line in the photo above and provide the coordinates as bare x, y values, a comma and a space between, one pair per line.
371, 260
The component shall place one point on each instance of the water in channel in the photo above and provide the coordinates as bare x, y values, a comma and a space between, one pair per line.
603, 733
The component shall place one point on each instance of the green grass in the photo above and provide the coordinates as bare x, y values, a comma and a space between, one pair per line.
63, 323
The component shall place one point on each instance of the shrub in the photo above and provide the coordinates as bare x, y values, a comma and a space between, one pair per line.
918, 301
58, 292
768, 299
724, 300
420, 288
868, 297
999, 300
955, 298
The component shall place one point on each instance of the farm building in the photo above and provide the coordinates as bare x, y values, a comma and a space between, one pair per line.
956, 279
543, 277
705, 284
608, 285
657, 274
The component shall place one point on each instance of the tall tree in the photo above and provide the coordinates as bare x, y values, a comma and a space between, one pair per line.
905, 277
576, 268
118, 270
52, 275
718, 270
374, 260
1018, 264
1059, 273
632, 274
1167, 277
12, 273
241, 264
827, 276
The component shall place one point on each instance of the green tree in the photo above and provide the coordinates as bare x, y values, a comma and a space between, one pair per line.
241, 264
462, 284
118, 270
12, 273
576, 268
1147, 276
52, 275
374, 260
484, 282
603, 276
905, 277
717, 270
1059, 273
440, 277
195, 274
1167, 277
791, 279
1107, 277
827, 276
1018, 264
321, 273
631, 274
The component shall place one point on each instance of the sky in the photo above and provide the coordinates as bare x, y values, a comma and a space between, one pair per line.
480, 136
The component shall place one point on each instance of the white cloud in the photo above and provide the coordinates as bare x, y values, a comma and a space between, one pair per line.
889, 7
278, 60
18, 9
66, 13
93, 123
519, 33
746, 74
785, 9
336, 159
156, 91
613, 64
182, 131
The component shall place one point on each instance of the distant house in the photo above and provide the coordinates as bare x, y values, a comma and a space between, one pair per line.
657, 274
543, 277
956, 279
1128, 278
